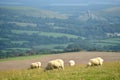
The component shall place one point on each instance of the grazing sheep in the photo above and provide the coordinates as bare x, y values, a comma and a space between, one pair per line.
100, 61
95, 61
71, 63
55, 64
35, 65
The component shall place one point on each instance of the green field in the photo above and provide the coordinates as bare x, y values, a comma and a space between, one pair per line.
54, 47
19, 42
23, 57
24, 49
107, 42
24, 31
58, 34
50, 46
53, 34
24, 24
109, 71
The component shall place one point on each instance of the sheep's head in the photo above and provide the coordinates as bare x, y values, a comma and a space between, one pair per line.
89, 64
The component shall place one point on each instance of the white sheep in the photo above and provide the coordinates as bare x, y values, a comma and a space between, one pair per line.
71, 63
55, 64
95, 61
35, 65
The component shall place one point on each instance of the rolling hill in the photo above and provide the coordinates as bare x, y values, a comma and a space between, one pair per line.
33, 12
28, 31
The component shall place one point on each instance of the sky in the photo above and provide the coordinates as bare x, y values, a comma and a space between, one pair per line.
59, 2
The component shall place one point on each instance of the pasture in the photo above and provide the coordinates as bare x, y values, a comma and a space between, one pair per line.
18, 69
110, 71
107, 42
49, 34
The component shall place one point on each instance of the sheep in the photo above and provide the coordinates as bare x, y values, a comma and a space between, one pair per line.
100, 61
35, 65
95, 62
71, 63
55, 64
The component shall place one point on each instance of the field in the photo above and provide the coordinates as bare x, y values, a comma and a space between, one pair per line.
16, 69
49, 34
107, 42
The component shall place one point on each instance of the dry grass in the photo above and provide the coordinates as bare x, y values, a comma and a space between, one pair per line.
109, 71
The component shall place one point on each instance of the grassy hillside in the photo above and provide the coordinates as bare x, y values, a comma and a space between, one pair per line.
33, 12
49, 34
23, 57
107, 42
114, 11
109, 71
28, 30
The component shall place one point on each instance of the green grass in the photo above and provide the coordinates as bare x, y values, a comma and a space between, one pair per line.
4, 39
58, 34
24, 24
23, 57
24, 31
109, 71
24, 49
50, 46
53, 34
107, 42
53, 47
19, 42
104, 44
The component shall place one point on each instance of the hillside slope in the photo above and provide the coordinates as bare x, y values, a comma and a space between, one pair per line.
29, 31
33, 12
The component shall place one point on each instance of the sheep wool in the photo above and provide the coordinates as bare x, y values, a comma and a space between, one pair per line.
71, 63
55, 64
35, 65
95, 61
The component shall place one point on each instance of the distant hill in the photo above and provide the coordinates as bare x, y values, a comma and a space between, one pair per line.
28, 31
114, 11
33, 12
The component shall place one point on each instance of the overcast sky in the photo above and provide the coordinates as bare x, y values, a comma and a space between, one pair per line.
39, 3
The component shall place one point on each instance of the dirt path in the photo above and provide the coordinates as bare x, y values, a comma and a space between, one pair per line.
79, 57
